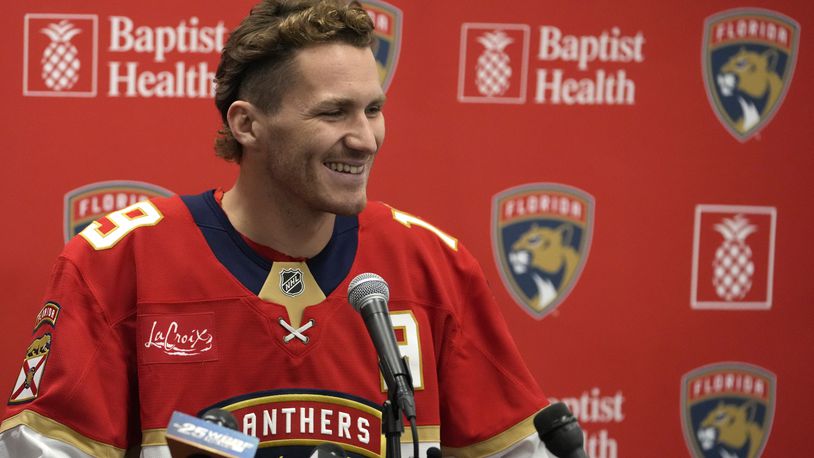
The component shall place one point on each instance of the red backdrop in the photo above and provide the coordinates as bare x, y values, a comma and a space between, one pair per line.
657, 154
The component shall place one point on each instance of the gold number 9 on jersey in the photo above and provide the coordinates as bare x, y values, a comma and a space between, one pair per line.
102, 236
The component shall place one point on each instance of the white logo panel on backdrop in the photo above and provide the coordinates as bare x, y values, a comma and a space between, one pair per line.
733, 257
60, 55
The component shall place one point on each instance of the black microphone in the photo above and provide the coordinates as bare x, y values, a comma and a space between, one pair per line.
328, 450
434, 452
560, 432
368, 293
221, 417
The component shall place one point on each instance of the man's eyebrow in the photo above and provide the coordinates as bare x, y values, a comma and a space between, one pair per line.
344, 102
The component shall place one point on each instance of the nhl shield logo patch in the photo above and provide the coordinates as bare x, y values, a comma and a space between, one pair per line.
88, 203
727, 410
291, 283
748, 59
541, 234
386, 38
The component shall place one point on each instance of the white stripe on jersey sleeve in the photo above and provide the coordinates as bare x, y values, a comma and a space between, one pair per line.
22, 441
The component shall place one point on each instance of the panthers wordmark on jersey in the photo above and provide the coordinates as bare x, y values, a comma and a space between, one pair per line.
163, 306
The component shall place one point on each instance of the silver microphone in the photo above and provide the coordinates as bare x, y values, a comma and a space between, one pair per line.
369, 293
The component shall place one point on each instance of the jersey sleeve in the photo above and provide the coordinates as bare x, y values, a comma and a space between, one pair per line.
488, 395
77, 382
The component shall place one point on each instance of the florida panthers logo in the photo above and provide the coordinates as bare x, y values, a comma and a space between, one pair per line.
541, 234
545, 253
748, 58
728, 410
732, 427
386, 37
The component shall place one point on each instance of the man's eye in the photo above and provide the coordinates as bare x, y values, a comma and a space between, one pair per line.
332, 113
374, 110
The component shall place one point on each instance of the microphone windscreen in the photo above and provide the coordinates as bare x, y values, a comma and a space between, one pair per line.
559, 430
328, 450
220, 417
552, 417
365, 285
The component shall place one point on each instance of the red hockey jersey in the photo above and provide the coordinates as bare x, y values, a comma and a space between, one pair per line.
163, 306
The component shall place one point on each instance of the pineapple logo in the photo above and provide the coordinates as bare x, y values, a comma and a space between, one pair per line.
493, 70
493, 65
60, 60
60, 55
733, 257
733, 267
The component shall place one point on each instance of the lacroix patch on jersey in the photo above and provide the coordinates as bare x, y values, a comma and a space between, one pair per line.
88, 203
27, 387
748, 59
47, 315
727, 410
541, 234
177, 338
387, 38
293, 422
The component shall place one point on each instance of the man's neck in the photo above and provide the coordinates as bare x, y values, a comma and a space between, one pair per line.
290, 229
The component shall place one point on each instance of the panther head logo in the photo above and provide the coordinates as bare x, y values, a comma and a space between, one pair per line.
752, 77
748, 59
545, 254
731, 430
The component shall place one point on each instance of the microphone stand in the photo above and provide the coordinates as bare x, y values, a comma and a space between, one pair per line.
392, 427
392, 423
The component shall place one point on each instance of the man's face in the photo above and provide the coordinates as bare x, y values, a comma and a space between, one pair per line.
320, 144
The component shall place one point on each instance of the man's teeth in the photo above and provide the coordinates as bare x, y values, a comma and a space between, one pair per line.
344, 168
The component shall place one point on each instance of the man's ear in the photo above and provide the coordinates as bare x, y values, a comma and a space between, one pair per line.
241, 117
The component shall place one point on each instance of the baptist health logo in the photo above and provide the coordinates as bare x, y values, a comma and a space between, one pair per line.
60, 55
495, 59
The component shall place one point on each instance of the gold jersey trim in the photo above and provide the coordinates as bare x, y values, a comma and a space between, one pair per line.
495, 444
304, 397
425, 434
57, 431
152, 437
309, 292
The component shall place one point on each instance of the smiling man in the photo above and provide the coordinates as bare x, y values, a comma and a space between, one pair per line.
236, 299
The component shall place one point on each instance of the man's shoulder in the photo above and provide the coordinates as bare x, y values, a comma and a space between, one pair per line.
395, 230
120, 231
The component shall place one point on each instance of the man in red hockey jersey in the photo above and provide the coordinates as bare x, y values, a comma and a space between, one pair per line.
237, 299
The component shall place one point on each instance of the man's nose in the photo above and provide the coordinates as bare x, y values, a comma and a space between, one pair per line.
361, 134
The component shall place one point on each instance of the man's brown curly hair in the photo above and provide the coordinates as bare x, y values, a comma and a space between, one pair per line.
257, 62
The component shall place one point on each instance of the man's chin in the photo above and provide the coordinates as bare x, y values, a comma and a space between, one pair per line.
349, 208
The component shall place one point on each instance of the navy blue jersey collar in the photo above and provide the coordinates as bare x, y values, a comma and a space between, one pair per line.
329, 267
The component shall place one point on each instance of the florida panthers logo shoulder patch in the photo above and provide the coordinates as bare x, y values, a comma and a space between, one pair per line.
748, 59
727, 410
541, 234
